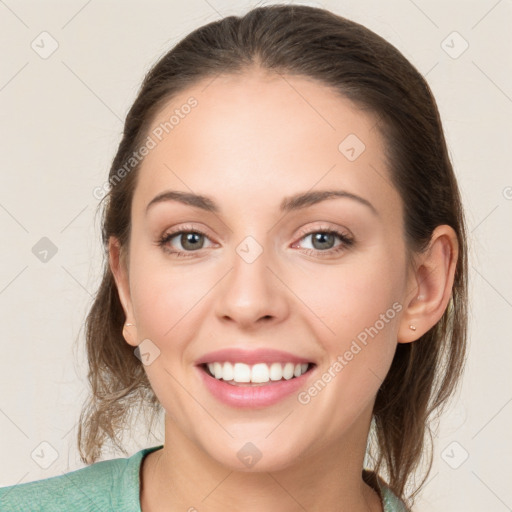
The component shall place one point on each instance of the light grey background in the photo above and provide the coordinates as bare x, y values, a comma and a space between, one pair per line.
61, 120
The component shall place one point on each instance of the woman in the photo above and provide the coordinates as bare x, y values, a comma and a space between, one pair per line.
286, 277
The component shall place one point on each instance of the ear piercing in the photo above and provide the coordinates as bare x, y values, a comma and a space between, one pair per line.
412, 327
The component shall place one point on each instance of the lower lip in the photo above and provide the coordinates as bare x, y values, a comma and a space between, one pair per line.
253, 396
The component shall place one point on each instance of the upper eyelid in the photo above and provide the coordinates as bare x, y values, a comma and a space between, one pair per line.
186, 229
302, 231
324, 228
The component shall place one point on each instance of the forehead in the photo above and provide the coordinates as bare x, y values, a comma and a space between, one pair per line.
253, 135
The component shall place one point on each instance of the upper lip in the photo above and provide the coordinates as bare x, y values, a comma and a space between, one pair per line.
250, 357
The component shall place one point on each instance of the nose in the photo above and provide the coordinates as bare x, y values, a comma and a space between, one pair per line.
252, 294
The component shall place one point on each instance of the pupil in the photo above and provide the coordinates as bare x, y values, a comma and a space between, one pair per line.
190, 238
320, 237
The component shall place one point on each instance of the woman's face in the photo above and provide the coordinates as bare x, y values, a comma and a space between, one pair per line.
264, 273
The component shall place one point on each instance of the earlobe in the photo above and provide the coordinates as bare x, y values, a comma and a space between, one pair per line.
430, 285
130, 334
120, 273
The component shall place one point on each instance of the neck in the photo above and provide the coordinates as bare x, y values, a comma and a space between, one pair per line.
181, 476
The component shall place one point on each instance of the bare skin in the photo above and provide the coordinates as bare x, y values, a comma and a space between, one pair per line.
251, 142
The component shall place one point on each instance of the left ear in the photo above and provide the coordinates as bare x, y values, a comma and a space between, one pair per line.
430, 285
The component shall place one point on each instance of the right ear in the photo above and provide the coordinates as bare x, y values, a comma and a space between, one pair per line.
119, 268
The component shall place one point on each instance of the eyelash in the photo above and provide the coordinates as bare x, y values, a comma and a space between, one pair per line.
346, 240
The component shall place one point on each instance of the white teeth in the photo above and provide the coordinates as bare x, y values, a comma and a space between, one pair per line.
276, 371
217, 370
227, 371
257, 373
288, 371
241, 372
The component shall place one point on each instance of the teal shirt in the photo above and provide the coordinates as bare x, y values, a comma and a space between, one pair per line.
106, 486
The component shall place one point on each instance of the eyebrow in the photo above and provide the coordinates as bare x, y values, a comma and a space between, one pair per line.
292, 203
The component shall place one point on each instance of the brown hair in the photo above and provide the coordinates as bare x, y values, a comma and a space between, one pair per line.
366, 69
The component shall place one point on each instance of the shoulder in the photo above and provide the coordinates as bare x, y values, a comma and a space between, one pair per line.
89, 488
390, 501
106, 485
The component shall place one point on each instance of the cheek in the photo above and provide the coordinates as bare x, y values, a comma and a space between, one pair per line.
166, 296
169, 301
351, 297
358, 309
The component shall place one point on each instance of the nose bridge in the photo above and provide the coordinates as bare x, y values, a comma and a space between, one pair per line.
251, 291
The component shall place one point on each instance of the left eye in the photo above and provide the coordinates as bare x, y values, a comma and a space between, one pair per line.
324, 240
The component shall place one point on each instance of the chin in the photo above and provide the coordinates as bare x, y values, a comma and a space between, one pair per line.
249, 457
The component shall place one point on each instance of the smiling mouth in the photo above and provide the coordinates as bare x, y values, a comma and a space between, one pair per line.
260, 374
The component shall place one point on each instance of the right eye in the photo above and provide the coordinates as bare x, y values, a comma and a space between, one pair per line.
188, 241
